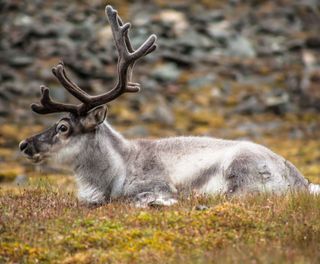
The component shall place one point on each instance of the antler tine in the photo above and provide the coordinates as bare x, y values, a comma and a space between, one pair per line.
130, 48
127, 57
126, 36
48, 106
145, 47
74, 89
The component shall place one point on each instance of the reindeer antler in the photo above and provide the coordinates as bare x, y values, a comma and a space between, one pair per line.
127, 57
47, 106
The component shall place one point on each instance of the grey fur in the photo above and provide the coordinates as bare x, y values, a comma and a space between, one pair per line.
204, 176
108, 166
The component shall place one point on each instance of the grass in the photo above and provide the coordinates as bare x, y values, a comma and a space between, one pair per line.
42, 222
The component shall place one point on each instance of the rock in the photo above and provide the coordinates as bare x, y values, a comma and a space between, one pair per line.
194, 40
5, 94
257, 130
49, 31
309, 60
143, 17
163, 114
310, 84
6, 72
149, 84
216, 93
20, 60
201, 207
58, 94
251, 105
220, 31
23, 20
277, 103
203, 81
168, 72
4, 109
296, 133
294, 44
310, 81
272, 45
45, 74
21, 180
241, 47
209, 15
313, 42
250, 129
158, 112
176, 20
81, 33
104, 35
181, 60
278, 26
136, 132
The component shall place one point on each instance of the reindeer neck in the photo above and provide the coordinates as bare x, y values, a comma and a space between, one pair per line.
101, 165
115, 139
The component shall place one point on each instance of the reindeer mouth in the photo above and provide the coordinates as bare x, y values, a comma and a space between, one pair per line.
29, 152
36, 158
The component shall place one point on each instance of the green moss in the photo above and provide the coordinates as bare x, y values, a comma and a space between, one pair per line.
70, 232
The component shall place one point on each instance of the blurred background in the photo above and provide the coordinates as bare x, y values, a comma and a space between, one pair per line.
232, 69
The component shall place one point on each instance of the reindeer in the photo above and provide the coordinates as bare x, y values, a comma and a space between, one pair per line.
148, 172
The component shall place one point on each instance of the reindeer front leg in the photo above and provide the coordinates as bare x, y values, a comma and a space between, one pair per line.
144, 193
90, 195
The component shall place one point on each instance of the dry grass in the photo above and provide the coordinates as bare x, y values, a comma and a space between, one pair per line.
42, 224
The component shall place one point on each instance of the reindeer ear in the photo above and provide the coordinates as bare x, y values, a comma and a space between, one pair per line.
94, 118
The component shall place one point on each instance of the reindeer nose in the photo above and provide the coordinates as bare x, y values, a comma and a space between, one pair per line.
23, 145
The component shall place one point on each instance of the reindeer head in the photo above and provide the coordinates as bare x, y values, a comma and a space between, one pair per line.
66, 135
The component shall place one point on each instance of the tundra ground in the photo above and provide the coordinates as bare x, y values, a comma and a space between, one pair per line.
42, 222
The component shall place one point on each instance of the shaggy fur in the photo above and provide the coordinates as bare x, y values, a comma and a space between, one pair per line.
108, 166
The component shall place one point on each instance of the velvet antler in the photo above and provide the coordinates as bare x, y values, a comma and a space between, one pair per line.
127, 57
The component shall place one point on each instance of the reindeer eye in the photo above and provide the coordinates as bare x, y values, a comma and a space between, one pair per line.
63, 128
